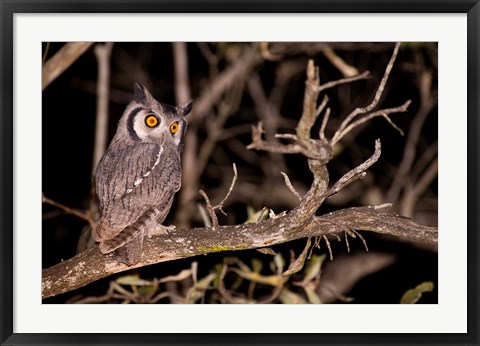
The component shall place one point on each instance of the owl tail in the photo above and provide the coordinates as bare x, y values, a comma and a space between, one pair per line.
128, 233
131, 252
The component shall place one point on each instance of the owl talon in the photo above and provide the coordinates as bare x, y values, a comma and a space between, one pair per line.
160, 229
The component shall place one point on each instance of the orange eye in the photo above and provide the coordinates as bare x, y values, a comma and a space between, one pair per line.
174, 127
151, 120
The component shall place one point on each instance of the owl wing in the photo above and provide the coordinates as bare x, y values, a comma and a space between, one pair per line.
134, 182
120, 170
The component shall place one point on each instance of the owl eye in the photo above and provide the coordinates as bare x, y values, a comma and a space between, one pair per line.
151, 120
174, 127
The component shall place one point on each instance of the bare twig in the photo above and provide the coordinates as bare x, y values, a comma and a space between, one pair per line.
290, 186
328, 246
78, 213
346, 69
383, 113
356, 173
345, 234
324, 125
340, 131
297, 265
363, 75
309, 114
232, 185
211, 209
362, 239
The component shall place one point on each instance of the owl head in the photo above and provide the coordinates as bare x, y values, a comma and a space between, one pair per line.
149, 121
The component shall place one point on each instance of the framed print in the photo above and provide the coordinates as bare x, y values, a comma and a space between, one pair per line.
295, 173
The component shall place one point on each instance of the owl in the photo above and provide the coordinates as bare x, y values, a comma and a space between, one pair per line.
139, 174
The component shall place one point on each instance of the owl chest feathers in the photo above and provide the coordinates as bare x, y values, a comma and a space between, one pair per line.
132, 178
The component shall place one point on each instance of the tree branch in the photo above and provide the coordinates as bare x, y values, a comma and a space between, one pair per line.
91, 265
62, 60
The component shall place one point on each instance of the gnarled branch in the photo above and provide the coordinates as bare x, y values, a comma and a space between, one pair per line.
91, 265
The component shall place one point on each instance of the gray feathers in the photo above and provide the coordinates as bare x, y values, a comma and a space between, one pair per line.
139, 174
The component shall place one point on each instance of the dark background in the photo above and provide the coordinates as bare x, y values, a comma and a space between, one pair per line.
68, 127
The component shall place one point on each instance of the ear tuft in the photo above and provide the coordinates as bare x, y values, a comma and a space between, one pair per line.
140, 93
185, 108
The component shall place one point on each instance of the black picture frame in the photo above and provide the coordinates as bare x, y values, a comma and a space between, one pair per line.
10, 7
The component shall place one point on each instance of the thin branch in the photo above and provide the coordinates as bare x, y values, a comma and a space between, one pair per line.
232, 185
324, 125
363, 75
383, 113
102, 53
290, 186
78, 213
328, 246
358, 172
374, 102
62, 60
362, 239
312, 150
346, 69
345, 235
309, 114
211, 209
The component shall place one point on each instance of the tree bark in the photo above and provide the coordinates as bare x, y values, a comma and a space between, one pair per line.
91, 265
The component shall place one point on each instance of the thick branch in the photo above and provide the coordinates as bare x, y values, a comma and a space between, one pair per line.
62, 60
91, 265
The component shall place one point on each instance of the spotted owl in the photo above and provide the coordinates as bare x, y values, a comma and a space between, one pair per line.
139, 174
